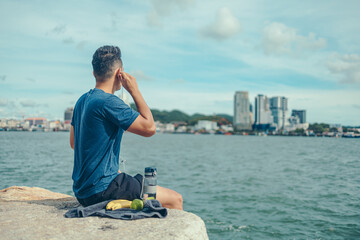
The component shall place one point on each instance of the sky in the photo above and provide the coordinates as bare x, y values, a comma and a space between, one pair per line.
188, 55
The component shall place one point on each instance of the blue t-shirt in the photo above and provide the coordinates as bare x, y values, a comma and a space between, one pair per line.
99, 121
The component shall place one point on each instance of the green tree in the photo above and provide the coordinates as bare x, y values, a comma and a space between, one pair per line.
179, 116
333, 129
319, 127
299, 131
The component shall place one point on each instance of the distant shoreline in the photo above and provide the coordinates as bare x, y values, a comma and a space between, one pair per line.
233, 134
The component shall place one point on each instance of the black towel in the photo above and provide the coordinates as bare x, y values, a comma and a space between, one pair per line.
152, 208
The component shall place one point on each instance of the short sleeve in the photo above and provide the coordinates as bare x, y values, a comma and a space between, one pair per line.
119, 113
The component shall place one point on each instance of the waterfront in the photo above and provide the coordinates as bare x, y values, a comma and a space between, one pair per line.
243, 187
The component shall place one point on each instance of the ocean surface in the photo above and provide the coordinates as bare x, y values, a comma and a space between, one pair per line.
243, 187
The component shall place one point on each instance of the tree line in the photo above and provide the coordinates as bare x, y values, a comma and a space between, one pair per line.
179, 116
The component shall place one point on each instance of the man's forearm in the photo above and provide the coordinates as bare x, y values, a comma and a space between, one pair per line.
130, 84
142, 107
144, 124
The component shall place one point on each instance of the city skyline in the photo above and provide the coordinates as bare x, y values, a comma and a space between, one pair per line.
186, 54
269, 113
271, 105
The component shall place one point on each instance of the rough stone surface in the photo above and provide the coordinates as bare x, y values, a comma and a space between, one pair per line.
36, 213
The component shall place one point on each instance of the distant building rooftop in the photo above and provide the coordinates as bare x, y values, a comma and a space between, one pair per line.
35, 118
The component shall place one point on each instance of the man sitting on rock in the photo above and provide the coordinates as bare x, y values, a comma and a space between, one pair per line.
99, 121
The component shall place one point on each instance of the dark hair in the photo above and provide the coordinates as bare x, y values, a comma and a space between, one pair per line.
104, 61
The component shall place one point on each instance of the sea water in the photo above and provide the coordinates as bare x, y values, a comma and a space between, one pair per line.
243, 187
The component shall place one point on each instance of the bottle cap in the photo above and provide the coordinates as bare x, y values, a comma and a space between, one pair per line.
150, 171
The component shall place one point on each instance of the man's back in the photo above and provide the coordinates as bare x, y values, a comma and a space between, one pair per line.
99, 121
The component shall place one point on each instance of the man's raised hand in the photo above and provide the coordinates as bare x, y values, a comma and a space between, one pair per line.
128, 82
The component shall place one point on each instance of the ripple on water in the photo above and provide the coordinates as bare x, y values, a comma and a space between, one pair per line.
243, 187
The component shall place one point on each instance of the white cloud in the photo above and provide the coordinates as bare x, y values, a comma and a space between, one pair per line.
226, 25
31, 104
114, 18
28, 103
279, 39
3, 102
69, 40
192, 101
139, 74
66, 92
59, 29
357, 106
154, 19
164, 8
81, 45
179, 81
347, 66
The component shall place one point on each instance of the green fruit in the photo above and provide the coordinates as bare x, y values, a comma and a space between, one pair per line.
137, 204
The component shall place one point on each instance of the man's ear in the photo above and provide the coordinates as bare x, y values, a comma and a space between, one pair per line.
94, 74
117, 76
118, 71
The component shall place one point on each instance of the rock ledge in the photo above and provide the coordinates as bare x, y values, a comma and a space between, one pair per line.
37, 213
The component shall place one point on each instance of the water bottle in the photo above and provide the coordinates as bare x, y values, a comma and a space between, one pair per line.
150, 182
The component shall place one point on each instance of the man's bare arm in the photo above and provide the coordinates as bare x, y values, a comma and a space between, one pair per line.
144, 124
72, 137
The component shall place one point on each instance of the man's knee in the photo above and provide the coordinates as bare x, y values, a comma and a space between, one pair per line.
179, 201
180, 198
170, 198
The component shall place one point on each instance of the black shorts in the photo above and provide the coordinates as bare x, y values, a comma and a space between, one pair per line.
123, 186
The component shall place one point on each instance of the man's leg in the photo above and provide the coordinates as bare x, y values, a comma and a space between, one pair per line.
169, 198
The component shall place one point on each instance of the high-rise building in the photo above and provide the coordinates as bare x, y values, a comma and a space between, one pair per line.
301, 114
242, 118
262, 111
251, 114
279, 108
68, 115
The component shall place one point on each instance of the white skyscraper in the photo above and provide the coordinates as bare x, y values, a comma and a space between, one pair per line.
242, 118
279, 109
123, 96
262, 111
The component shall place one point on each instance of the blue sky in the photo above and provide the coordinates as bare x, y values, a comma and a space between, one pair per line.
189, 55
